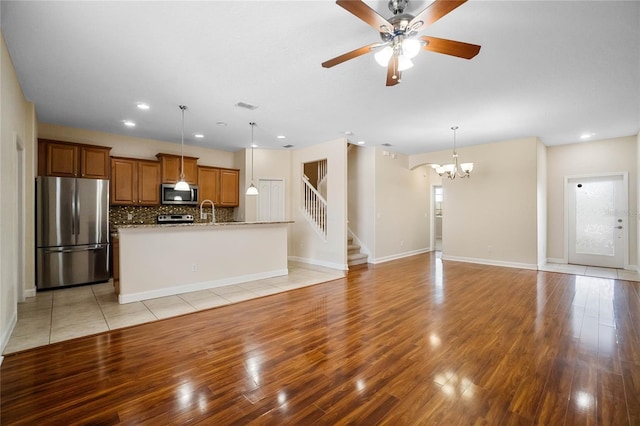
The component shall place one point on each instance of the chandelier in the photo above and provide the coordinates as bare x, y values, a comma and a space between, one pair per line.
454, 169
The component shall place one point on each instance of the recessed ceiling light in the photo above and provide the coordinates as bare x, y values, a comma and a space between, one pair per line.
587, 135
143, 106
360, 142
128, 123
253, 145
348, 133
198, 135
220, 123
281, 137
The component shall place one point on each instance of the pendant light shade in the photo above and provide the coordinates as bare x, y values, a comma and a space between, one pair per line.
252, 190
182, 185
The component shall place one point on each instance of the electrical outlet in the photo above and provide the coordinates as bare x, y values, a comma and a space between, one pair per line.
203, 216
129, 216
194, 268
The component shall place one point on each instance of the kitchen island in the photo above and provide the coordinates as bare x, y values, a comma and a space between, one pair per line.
168, 259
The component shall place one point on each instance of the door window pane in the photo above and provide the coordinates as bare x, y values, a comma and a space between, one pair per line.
595, 221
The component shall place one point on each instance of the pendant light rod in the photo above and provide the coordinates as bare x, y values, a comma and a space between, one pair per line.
183, 108
252, 190
182, 185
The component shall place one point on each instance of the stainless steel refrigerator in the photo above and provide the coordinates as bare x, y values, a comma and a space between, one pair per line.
72, 231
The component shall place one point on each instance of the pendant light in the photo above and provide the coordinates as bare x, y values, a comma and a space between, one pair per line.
182, 185
462, 170
252, 190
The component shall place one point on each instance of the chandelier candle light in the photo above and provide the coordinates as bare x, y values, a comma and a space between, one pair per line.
252, 190
462, 170
182, 184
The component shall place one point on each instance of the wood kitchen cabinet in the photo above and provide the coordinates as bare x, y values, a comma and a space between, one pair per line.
229, 188
135, 182
209, 184
115, 256
66, 159
171, 166
222, 186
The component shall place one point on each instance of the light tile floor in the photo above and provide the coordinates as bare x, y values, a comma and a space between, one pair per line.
591, 271
57, 315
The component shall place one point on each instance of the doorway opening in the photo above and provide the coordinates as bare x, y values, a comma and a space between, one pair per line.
438, 198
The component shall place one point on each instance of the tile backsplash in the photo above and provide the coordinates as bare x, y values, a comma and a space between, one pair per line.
119, 215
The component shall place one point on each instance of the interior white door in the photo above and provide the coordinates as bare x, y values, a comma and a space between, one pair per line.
597, 222
270, 200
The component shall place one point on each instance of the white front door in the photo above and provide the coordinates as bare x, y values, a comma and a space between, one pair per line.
597, 222
270, 200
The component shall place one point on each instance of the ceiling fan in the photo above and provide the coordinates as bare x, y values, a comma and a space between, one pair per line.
398, 33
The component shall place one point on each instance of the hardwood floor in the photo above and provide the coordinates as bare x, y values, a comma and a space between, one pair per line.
411, 341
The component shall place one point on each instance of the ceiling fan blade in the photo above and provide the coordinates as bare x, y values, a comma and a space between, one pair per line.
451, 47
349, 55
364, 12
392, 71
435, 11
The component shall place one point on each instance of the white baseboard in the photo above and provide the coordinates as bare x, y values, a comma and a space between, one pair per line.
205, 285
556, 260
531, 266
30, 292
6, 334
322, 263
399, 255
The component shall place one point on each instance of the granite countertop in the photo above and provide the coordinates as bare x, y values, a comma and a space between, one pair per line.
206, 224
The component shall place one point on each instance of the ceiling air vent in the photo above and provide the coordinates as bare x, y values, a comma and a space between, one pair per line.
386, 144
246, 105
287, 146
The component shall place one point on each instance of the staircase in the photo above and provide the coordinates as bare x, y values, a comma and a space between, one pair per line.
354, 257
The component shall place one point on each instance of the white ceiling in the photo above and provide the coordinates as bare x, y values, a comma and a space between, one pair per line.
551, 69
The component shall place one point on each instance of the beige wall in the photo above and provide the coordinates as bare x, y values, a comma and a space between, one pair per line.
604, 156
402, 217
127, 146
491, 217
542, 202
361, 184
306, 245
17, 118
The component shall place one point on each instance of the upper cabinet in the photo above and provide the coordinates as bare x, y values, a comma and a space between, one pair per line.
135, 182
209, 184
222, 186
171, 166
66, 159
229, 188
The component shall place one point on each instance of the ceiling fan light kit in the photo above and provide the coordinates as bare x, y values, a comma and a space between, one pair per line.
398, 33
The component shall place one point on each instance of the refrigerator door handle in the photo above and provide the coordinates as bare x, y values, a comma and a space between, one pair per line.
74, 249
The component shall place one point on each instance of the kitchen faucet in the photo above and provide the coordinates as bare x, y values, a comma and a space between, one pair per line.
203, 215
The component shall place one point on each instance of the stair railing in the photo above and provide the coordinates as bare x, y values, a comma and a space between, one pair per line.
314, 207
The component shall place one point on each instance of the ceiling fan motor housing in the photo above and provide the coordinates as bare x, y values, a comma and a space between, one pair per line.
397, 6
400, 26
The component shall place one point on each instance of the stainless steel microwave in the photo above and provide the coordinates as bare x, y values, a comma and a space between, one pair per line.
169, 195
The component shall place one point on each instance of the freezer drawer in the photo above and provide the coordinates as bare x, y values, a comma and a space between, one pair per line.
63, 266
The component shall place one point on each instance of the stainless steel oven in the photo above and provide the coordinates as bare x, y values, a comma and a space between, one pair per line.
169, 195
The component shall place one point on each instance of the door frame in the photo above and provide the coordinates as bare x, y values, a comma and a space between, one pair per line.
625, 235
